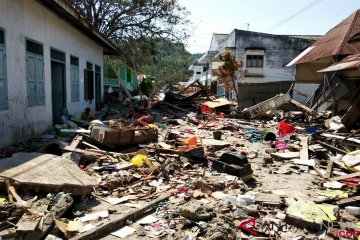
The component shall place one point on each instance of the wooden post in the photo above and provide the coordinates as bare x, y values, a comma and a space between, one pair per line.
304, 151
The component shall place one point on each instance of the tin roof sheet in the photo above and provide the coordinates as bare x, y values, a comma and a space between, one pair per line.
343, 39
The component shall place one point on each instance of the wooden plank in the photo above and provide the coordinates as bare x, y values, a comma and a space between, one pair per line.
98, 153
304, 151
350, 135
317, 170
10, 196
303, 107
351, 139
331, 147
14, 193
116, 223
75, 142
329, 168
353, 201
90, 145
352, 175
285, 155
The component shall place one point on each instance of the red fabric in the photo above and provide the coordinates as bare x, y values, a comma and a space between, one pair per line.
148, 119
285, 129
206, 109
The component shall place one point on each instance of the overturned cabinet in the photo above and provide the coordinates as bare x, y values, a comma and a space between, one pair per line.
123, 136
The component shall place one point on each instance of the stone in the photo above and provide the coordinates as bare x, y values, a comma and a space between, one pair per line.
196, 211
198, 194
271, 200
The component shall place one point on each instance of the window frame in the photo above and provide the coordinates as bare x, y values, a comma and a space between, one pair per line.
253, 60
89, 85
36, 55
75, 98
55, 59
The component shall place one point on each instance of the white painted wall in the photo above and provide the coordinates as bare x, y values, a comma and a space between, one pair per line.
198, 70
23, 19
269, 72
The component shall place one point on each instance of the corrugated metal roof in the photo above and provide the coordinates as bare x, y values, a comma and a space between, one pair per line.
349, 62
343, 39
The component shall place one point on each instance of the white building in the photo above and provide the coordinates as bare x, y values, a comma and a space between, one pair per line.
50, 59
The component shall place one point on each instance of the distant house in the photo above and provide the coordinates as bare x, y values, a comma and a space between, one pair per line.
50, 62
333, 64
119, 77
264, 56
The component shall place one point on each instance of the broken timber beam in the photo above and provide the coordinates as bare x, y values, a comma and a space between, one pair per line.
351, 135
48, 220
111, 225
317, 170
303, 107
331, 147
329, 168
351, 201
267, 105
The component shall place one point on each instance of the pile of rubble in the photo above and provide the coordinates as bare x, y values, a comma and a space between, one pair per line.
191, 172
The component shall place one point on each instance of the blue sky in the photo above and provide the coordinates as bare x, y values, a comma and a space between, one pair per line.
222, 16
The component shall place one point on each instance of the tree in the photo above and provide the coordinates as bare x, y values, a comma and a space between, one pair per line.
169, 66
134, 25
230, 72
146, 86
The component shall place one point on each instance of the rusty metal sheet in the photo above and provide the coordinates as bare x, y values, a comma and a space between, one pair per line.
349, 62
343, 39
341, 66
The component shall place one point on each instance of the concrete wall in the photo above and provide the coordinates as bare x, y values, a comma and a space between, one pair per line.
198, 70
22, 19
254, 93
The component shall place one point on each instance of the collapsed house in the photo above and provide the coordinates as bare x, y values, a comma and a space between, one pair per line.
333, 62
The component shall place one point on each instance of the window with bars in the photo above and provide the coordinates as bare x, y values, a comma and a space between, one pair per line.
255, 61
